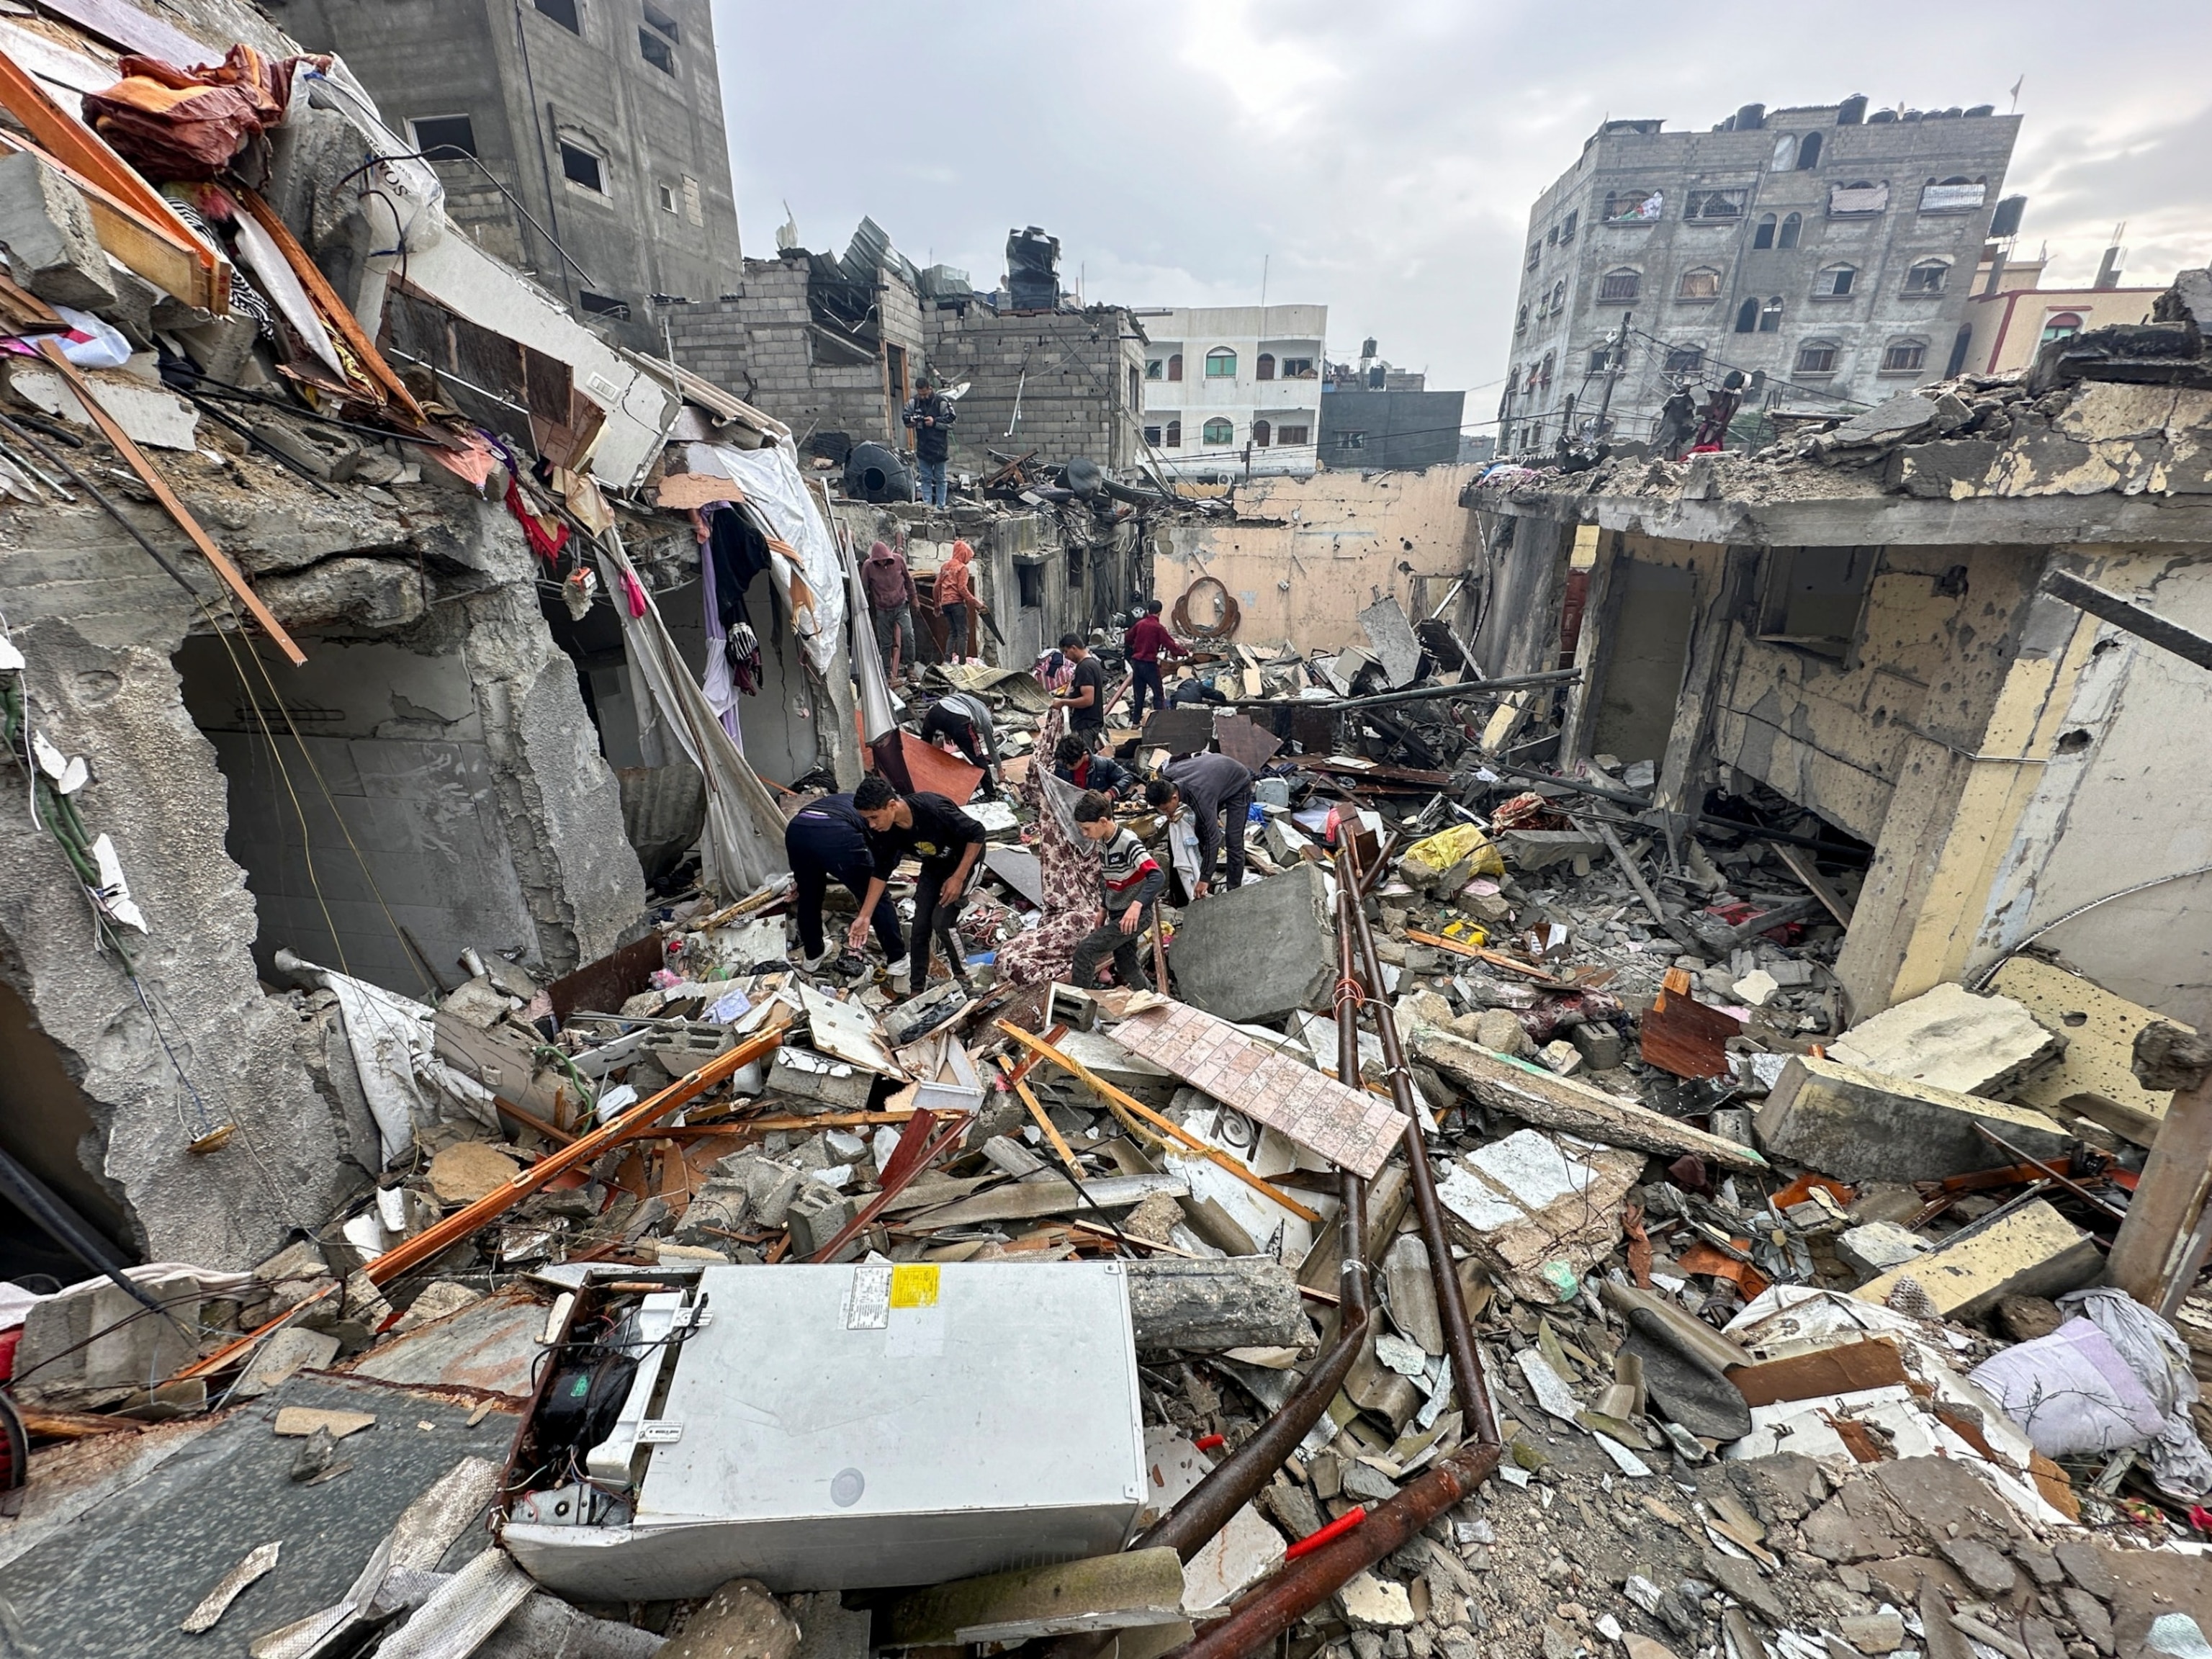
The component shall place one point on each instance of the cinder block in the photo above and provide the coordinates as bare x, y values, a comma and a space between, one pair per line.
1865, 1126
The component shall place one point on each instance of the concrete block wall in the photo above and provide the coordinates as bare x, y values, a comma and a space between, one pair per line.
1054, 382
760, 341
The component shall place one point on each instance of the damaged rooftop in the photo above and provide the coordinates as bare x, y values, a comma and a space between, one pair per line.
735, 975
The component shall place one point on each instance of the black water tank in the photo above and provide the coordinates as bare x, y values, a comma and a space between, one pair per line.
1852, 111
1751, 118
877, 472
2005, 222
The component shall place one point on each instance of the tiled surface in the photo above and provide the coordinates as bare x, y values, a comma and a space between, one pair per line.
1350, 1128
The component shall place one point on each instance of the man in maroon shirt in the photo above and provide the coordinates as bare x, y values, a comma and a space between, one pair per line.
890, 588
1146, 641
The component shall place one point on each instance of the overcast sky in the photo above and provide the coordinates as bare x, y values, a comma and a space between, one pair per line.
1380, 157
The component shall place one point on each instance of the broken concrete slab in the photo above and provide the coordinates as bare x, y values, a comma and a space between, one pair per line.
1258, 952
290, 1349
1540, 1211
740, 1620
151, 417
2096, 1078
1535, 1094
1212, 1306
1234, 1559
1950, 1038
1531, 850
1859, 1125
1878, 1246
1107, 1592
2026, 1250
52, 248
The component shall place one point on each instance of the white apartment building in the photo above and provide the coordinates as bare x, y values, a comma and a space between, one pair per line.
1233, 392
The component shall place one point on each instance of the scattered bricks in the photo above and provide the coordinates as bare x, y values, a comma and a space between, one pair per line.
1529, 850
1858, 1125
817, 1215
51, 245
2028, 1250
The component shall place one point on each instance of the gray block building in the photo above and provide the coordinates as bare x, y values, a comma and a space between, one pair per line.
579, 140
1827, 253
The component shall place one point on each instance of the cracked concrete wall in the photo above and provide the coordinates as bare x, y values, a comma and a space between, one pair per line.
100, 628
1303, 555
2117, 803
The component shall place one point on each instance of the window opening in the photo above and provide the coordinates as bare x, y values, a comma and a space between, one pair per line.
580, 166
1808, 153
1793, 226
445, 137
1263, 367
656, 51
1762, 235
1261, 434
562, 12
1175, 366
1903, 356
1835, 283
1703, 283
1617, 286
1770, 316
1221, 364
1814, 596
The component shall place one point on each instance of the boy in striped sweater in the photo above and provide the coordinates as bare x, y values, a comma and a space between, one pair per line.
1130, 882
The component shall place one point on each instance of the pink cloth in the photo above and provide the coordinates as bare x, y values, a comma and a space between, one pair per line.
1067, 869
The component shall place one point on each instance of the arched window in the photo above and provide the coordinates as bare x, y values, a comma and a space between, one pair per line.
1221, 364
1535, 369
1175, 366
1792, 228
1785, 153
1616, 286
1834, 281
1175, 432
1763, 236
1808, 153
1903, 356
1747, 317
1550, 359
1521, 321
1218, 431
1262, 434
2061, 325
1928, 277
1817, 357
1701, 283
1770, 316
1263, 367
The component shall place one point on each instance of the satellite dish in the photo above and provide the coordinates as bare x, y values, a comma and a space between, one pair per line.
953, 394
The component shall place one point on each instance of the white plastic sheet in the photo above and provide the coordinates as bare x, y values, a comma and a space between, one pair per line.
775, 491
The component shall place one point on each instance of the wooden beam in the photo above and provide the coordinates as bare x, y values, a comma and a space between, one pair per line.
2123, 614
233, 577
1075, 1068
85, 156
335, 311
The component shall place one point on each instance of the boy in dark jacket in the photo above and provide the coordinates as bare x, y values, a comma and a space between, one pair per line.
1073, 763
1129, 882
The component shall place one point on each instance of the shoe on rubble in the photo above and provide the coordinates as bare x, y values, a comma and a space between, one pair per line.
901, 977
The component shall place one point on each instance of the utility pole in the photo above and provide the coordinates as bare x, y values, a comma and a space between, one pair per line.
1614, 361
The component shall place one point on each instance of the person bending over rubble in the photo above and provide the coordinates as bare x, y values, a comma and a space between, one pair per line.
946, 841
1129, 883
1073, 763
1217, 792
965, 721
827, 839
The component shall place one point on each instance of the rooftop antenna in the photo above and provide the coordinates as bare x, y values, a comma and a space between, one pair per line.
1263, 291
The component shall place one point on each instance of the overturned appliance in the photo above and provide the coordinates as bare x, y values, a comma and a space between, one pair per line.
830, 1428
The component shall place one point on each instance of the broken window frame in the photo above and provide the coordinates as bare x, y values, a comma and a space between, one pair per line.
1826, 281
1156, 368
1715, 207
1635, 207
1297, 368
567, 13
666, 195
1684, 360
604, 305
1818, 357
660, 19
1708, 281
1619, 286
656, 51
423, 129
1293, 436
1927, 278
596, 165
1787, 593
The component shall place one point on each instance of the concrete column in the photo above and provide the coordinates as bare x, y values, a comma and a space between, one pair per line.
2158, 1246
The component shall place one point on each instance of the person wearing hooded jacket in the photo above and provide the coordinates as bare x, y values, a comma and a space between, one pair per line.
959, 602
890, 588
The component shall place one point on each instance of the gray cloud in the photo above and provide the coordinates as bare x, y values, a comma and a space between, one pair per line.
1380, 158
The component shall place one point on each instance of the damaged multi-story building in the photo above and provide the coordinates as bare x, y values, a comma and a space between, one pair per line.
374, 685
1822, 254
1959, 633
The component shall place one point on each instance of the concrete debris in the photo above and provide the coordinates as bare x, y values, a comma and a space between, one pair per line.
1949, 1038
1861, 1125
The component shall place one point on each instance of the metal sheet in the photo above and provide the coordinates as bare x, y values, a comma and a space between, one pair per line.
847, 1031
873, 1424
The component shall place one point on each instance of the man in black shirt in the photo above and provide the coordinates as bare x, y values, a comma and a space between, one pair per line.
827, 839
1086, 696
946, 841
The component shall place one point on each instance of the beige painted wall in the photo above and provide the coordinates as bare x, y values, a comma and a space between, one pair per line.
1304, 556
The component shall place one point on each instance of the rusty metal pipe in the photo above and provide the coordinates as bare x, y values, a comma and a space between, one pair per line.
1451, 1306
1206, 1508
1266, 1612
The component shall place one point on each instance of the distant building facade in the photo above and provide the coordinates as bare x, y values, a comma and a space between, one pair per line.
2012, 314
580, 140
1826, 252
1374, 418
1233, 391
